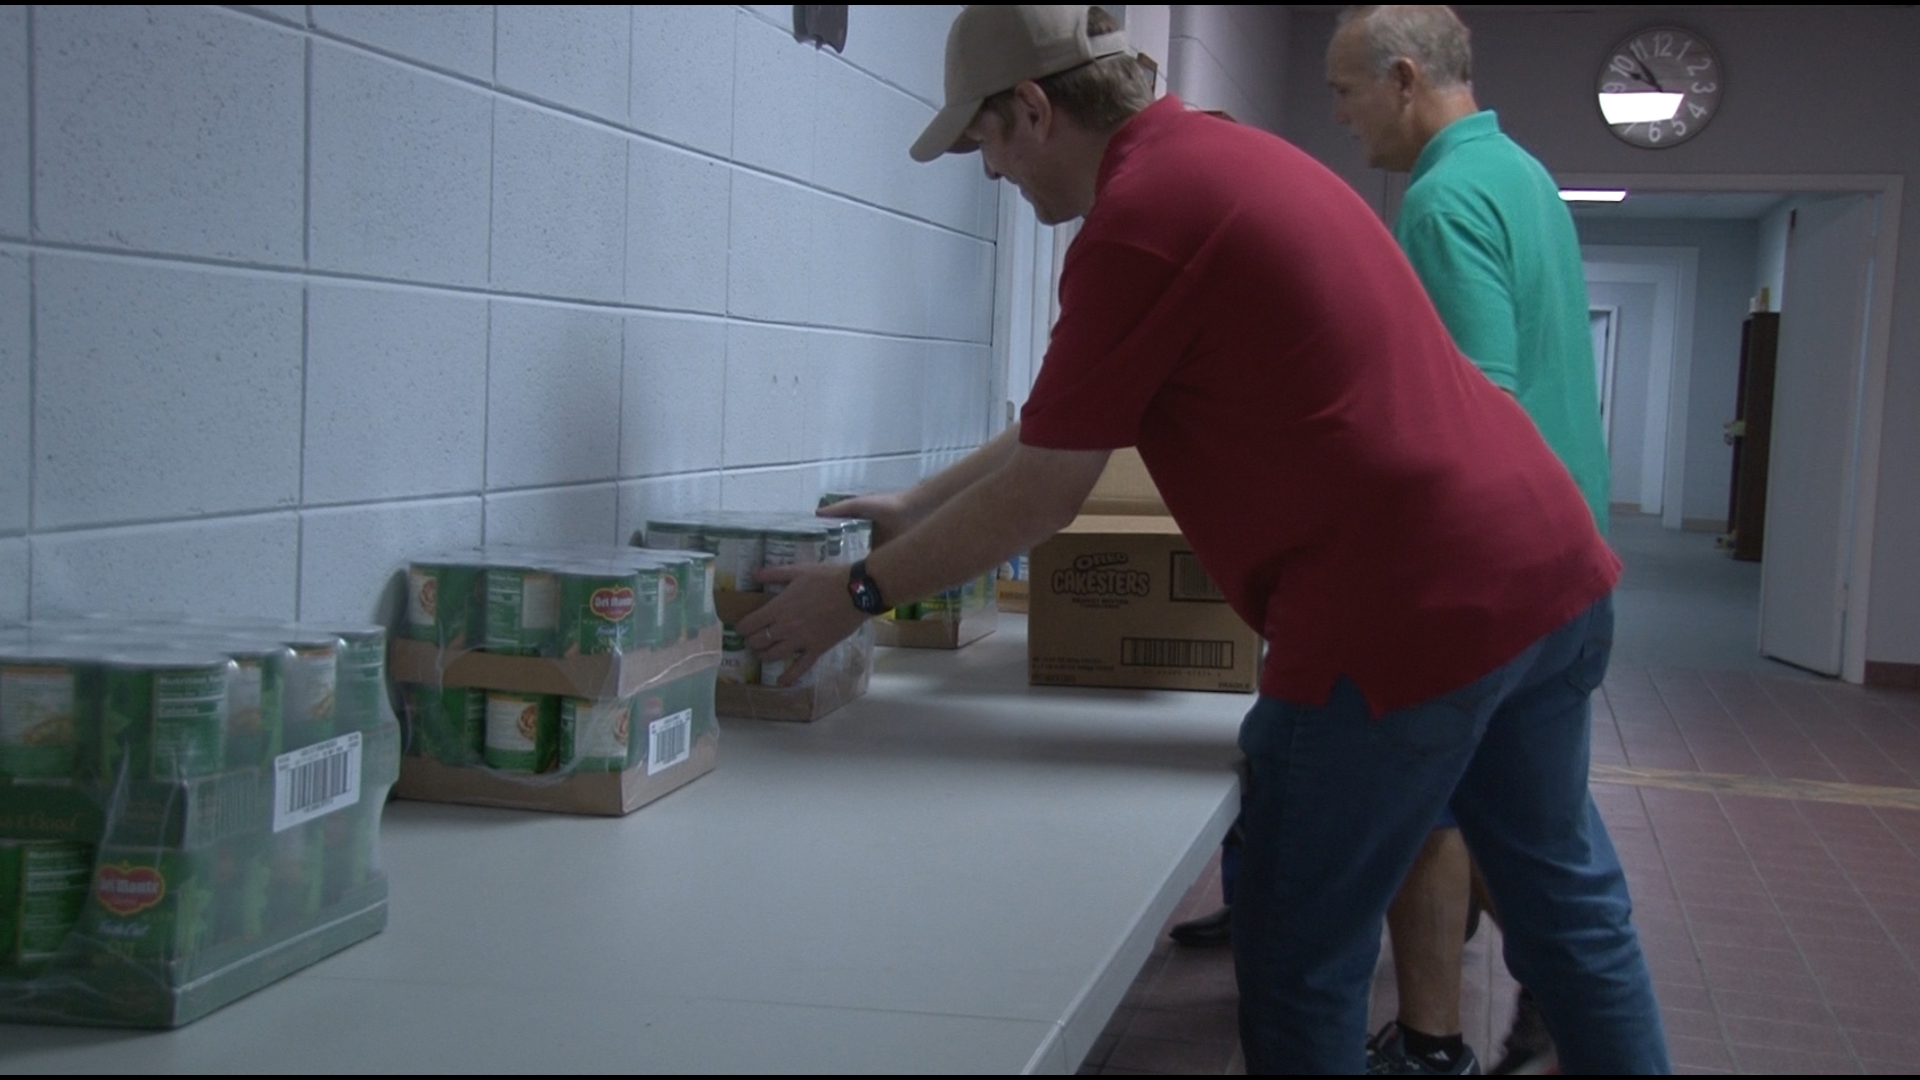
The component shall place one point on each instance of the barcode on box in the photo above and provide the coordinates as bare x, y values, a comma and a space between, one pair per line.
1189, 582
316, 780
1176, 652
668, 741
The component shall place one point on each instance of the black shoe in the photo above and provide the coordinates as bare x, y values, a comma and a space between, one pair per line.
1529, 1049
1387, 1056
1207, 931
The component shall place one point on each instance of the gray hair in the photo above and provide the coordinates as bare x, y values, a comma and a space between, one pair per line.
1431, 36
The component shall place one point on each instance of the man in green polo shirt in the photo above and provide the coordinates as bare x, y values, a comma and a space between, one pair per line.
1484, 227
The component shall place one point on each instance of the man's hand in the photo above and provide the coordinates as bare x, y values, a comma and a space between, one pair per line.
812, 615
888, 512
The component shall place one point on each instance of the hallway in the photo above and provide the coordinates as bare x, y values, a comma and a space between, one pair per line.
1769, 823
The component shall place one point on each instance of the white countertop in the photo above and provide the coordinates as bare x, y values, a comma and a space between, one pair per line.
955, 873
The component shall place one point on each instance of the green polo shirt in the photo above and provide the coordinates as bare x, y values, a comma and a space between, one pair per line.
1484, 227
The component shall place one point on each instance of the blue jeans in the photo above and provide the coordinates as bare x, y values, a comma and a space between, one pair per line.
1336, 807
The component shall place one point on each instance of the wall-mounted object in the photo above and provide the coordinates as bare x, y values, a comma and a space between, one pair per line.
1660, 87
821, 25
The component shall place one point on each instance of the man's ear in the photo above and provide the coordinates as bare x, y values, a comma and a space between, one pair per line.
1031, 107
1405, 76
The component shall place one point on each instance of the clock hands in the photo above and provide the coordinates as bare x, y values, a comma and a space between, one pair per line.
1646, 76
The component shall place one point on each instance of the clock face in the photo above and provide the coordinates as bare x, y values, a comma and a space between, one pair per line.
1660, 87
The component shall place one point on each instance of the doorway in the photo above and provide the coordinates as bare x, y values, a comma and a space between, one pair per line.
1813, 611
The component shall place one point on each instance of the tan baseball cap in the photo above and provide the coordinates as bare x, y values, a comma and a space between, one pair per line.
993, 47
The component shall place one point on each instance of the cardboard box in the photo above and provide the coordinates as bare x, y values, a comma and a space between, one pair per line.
608, 794
1118, 599
938, 625
605, 678
830, 684
1012, 595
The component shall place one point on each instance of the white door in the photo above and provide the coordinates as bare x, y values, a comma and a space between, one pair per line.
1600, 324
1816, 414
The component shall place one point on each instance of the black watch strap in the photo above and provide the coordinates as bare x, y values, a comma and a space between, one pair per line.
864, 590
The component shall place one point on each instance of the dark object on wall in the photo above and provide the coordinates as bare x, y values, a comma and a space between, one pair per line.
1749, 433
821, 24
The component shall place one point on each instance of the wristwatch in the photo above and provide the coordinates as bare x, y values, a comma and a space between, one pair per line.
864, 590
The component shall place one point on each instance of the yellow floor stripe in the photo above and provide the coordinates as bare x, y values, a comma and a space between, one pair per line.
1900, 798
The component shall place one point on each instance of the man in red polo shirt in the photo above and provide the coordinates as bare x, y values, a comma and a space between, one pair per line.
1429, 580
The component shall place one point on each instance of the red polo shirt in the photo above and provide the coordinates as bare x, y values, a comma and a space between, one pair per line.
1360, 491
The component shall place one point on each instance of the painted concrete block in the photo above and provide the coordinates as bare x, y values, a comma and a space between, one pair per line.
682, 89
957, 388
293, 14
788, 488
664, 496
872, 397
868, 160
773, 393
16, 397
162, 392
170, 129
575, 56
673, 395
227, 566
13, 121
776, 100
875, 271
14, 579
396, 393
559, 205
677, 213
456, 38
553, 395
574, 515
353, 559
905, 45
771, 268
402, 170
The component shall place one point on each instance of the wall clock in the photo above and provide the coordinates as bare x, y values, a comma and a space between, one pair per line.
1660, 87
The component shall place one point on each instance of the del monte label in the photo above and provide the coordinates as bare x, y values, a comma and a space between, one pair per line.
127, 889
612, 604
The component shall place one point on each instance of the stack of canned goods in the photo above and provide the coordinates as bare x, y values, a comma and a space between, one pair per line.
181, 793
743, 542
559, 603
974, 595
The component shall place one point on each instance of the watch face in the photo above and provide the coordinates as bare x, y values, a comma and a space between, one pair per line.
1660, 87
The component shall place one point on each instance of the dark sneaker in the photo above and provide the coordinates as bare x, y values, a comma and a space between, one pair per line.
1529, 1049
1387, 1056
1206, 931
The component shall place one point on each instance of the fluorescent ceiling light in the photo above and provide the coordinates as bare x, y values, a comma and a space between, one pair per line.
1592, 196
1639, 108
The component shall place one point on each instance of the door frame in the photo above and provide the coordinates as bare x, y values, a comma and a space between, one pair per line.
1872, 414
1674, 274
1609, 353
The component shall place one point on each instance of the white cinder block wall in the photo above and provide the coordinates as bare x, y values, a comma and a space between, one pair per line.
289, 293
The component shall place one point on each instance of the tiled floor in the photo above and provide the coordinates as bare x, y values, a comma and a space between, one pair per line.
1769, 823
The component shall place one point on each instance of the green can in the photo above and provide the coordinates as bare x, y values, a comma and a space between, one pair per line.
675, 535
243, 885
738, 664
522, 731
523, 610
164, 715
449, 724
153, 904
608, 610
445, 604
312, 688
360, 693
43, 890
596, 736
297, 865
697, 601
349, 838
41, 698
256, 701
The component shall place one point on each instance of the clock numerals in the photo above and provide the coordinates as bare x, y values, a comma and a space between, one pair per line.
1658, 60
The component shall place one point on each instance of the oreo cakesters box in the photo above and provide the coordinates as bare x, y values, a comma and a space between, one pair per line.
1118, 599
